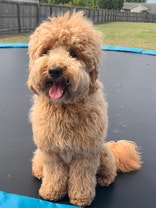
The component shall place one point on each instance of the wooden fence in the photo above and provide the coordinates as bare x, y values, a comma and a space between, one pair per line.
19, 17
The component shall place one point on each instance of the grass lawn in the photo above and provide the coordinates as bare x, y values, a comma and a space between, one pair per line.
14, 38
136, 35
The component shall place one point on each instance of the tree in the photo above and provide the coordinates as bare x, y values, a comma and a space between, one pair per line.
140, 1
87, 3
80, 3
111, 4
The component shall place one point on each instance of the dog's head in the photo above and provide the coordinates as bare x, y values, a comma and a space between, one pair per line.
64, 57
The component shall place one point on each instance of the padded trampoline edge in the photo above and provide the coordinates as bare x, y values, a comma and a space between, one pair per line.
13, 45
18, 201
105, 48
128, 49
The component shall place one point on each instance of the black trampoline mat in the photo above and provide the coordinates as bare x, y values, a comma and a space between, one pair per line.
130, 88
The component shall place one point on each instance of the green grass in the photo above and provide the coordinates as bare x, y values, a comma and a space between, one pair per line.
136, 35
16, 38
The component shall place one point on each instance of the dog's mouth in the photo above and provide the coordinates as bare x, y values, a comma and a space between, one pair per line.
57, 89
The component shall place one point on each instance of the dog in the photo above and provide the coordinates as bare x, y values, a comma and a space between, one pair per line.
69, 113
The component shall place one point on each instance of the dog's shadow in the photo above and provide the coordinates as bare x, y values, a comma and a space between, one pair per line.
104, 196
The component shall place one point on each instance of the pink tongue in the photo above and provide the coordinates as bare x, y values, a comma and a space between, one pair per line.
56, 91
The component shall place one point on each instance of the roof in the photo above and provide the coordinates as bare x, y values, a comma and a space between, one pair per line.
151, 8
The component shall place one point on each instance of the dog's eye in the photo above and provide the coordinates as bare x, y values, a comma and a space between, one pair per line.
45, 51
73, 53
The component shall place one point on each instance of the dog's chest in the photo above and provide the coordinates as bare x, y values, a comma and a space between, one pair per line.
66, 156
62, 130
70, 131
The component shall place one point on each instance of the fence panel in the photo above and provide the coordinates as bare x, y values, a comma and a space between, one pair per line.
45, 12
100, 16
150, 18
8, 17
24, 17
141, 17
92, 14
29, 17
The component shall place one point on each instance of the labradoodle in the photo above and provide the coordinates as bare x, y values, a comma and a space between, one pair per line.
69, 112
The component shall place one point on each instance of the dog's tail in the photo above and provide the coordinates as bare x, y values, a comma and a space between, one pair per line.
127, 155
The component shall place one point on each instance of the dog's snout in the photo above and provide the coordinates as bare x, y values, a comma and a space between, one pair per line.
55, 72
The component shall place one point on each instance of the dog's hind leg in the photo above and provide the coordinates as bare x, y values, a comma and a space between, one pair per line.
37, 164
121, 156
107, 170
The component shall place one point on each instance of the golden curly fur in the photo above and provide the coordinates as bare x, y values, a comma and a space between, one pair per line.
69, 113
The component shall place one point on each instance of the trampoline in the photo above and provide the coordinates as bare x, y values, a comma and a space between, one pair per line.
130, 87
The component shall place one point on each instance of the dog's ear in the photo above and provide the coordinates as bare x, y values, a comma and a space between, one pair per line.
93, 76
30, 80
94, 72
30, 86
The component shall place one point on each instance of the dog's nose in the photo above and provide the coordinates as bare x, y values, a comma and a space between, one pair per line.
55, 72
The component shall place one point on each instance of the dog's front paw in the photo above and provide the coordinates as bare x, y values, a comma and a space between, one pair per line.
81, 198
49, 193
82, 201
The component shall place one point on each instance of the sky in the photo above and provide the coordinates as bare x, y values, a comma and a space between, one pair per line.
151, 1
